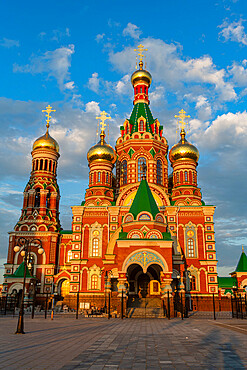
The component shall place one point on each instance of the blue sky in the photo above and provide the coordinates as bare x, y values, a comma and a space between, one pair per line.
78, 56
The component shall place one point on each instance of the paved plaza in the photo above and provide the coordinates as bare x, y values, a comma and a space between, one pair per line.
98, 343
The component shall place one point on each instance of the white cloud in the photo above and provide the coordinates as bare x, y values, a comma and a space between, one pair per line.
177, 73
94, 82
157, 96
225, 270
7, 43
239, 73
54, 63
132, 30
233, 31
228, 131
55, 35
69, 85
92, 107
123, 86
99, 37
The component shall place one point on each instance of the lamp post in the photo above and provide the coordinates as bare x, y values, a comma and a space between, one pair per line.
108, 274
25, 244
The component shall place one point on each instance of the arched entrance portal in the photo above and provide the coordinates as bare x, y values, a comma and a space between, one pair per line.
144, 284
64, 287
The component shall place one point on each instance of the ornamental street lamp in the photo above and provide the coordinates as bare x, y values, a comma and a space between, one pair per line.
108, 274
26, 245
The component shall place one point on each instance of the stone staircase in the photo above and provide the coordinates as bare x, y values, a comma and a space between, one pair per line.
142, 312
150, 307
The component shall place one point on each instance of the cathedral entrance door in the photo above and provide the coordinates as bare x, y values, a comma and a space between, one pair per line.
143, 282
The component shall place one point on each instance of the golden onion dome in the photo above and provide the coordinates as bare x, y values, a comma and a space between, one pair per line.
141, 75
101, 151
183, 150
47, 142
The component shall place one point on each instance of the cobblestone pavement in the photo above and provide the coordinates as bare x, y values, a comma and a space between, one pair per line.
97, 343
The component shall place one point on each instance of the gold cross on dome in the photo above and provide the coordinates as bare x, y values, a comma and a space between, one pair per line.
140, 50
48, 110
103, 117
181, 117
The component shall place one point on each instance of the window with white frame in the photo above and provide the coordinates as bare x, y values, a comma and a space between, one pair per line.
191, 247
95, 247
94, 282
69, 255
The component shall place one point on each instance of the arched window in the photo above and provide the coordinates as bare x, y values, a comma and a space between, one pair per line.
142, 164
107, 178
41, 165
185, 176
141, 126
177, 177
69, 255
140, 89
193, 177
95, 247
124, 172
145, 89
37, 198
36, 165
50, 163
191, 247
46, 165
94, 282
159, 172
193, 283
48, 197
99, 174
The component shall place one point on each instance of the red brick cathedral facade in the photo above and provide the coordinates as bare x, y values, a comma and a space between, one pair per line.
139, 231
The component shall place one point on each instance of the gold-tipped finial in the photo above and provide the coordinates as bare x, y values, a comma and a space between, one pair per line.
48, 110
181, 122
140, 49
242, 248
103, 117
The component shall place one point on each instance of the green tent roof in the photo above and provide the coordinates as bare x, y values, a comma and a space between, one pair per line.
242, 263
141, 110
227, 282
19, 273
144, 201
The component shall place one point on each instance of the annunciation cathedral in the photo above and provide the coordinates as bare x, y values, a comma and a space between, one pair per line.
138, 230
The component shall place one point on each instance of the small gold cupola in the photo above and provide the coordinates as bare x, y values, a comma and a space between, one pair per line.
183, 149
141, 79
102, 151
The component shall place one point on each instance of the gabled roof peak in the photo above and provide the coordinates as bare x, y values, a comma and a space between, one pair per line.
144, 201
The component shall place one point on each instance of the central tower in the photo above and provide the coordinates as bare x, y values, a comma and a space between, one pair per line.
141, 142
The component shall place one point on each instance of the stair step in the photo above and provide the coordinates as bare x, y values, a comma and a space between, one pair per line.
141, 312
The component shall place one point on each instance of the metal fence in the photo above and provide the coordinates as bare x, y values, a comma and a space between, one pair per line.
239, 307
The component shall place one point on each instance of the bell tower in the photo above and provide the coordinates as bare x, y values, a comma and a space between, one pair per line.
101, 158
184, 159
40, 212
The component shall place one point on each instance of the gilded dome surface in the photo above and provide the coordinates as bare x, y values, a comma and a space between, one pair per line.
141, 74
46, 141
183, 150
101, 151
